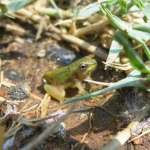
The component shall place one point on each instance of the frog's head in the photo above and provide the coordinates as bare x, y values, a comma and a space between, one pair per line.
86, 66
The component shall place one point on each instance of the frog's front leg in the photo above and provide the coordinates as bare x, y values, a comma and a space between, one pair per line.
93, 86
79, 85
56, 91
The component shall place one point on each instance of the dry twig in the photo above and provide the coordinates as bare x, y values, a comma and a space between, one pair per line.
139, 135
48, 131
85, 45
124, 135
85, 135
94, 27
29, 15
45, 105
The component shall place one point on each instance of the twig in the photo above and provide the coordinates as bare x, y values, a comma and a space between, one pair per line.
85, 45
53, 12
23, 111
38, 120
29, 15
56, 8
41, 104
85, 135
99, 83
73, 27
139, 135
35, 97
8, 101
67, 21
45, 105
41, 27
113, 115
13, 129
125, 134
7, 84
18, 29
19, 40
48, 131
3, 118
94, 27
124, 67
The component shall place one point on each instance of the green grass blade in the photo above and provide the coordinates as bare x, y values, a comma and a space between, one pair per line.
145, 10
123, 4
126, 29
141, 28
16, 5
114, 51
135, 60
89, 10
127, 82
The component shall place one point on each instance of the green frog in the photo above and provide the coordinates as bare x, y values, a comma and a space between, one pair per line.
70, 76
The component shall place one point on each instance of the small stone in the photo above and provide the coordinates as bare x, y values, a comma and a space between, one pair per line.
41, 53
60, 55
82, 116
60, 130
13, 75
19, 92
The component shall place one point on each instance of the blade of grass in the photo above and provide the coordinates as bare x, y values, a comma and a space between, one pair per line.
127, 82
89, 10
55, 6
135, 60
92, 8
114, 51
145, 10
123, 4
16, 5
126, 29
141, 28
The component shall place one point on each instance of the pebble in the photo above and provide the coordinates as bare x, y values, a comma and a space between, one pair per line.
19, 92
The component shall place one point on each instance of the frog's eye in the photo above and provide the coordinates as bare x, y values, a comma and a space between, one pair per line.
83, 66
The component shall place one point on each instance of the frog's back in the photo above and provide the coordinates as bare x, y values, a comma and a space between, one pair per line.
57, 76
68, 73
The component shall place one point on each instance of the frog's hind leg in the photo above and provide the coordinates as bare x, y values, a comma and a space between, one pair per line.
57, 92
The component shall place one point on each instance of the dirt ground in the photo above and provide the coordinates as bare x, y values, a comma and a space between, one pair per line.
89, 124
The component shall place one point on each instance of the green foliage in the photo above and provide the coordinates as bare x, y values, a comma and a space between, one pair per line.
13, 6
127, 82
135, 60
114, 51
123, 4
56, 8
89, 10
141, 28
16, 5
76, 13
144, 9
125, 31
